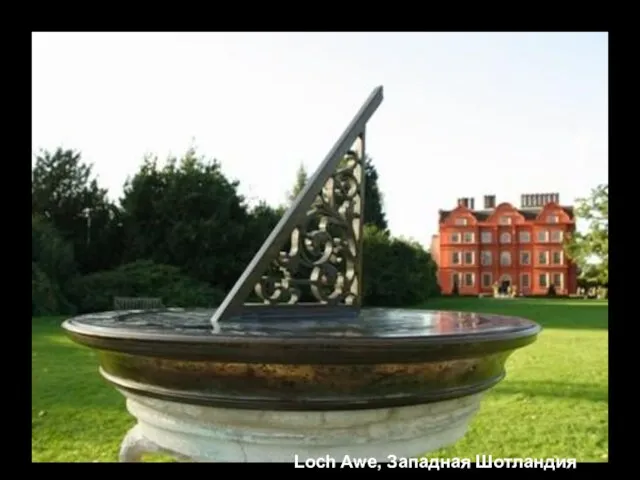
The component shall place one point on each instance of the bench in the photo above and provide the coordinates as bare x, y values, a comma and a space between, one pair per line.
137, 303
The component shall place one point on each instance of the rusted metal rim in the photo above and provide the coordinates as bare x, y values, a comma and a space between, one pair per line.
300, 403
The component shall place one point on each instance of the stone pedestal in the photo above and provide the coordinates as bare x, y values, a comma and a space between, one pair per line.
207, 434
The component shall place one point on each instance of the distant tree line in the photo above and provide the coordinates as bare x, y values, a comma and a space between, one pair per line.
182, 232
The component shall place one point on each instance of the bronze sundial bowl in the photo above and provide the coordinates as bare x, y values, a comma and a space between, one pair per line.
288, 380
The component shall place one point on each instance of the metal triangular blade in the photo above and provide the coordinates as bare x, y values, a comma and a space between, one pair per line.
321, 268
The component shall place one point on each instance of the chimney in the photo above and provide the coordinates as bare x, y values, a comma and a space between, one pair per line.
489, 202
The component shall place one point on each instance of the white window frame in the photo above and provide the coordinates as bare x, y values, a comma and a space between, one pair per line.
561, 262
486, 253
453, 258
545, 236
546, 279
502, 263
505, 220
469, 235
505, 235
464, 258
486, 237
553, 280
461, 221
469, 275
487, 275
453, 279
526, 239
456, 237
553, 219
560, 236
528, 277
522, 253
546, 258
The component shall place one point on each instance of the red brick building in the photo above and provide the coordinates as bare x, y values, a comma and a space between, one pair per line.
501, 244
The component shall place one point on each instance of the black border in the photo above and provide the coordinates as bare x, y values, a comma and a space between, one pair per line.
617, 448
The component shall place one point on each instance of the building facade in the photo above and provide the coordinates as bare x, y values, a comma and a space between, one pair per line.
505, 245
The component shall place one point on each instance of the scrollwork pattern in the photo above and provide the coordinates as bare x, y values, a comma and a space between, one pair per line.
321, 263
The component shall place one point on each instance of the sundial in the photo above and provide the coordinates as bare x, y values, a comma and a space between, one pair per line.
308, 370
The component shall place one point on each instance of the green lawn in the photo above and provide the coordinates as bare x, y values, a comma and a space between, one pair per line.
553, 403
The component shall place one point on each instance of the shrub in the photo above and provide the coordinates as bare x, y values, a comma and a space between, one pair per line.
396, 272
50, 251
46, 296
95, 292
52, 267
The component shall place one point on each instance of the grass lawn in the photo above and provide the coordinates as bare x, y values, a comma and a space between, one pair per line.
553, 403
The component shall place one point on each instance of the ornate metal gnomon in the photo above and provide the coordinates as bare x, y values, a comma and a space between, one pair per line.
322, 232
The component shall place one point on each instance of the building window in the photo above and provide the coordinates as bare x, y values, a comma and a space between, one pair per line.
467, 237
505, 220
505, 237
556, 258
505, 258
525, 258
468, 279
485, 257
461, 221
543, 258
542, 280
455, 280
556, 236
553, 219
525, 237
543, 235
455, 238
486, 280
455, 258
468, 258
557, 280
524, 280
485, 237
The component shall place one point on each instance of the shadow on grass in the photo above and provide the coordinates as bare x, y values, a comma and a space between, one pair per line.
578, 391
549, 313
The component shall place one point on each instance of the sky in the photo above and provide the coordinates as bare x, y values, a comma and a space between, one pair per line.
464, 114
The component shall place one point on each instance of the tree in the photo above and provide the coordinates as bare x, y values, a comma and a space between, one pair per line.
590, 250
373, 203
301, 180
396, 272
52, 268
64, 192
189, 215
